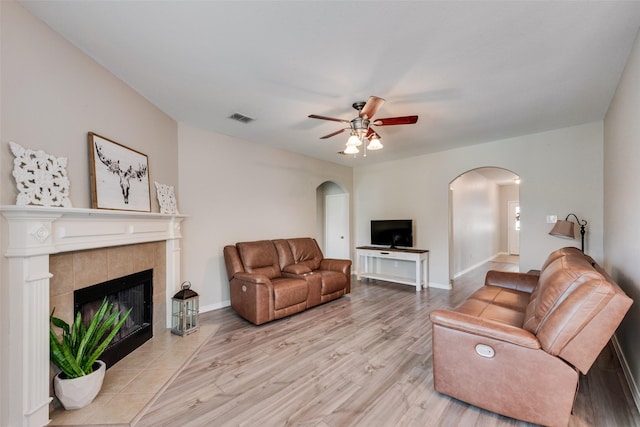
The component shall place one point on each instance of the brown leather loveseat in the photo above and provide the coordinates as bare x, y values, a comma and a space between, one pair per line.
271, 279
517, 345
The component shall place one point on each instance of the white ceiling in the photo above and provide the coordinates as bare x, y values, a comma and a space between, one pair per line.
473, 71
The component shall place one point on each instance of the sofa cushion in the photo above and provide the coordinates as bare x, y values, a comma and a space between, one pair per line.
558, 253
306, 251
572, 313
288, 292
297, 269
504, 297
332, 281
557, 281
486, 310
259, 257
285, 257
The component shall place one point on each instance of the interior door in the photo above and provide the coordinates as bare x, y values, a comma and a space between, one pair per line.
336, 239
514, 228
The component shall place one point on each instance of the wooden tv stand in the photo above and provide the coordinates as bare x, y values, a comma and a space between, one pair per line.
420, 257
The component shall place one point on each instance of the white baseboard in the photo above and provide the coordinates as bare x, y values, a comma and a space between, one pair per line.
635, 393
211, 307
466, 270
440, 286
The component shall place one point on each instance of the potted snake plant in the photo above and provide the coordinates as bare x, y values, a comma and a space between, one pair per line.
77, 351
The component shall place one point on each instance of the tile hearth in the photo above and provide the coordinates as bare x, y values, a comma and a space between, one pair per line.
132, 384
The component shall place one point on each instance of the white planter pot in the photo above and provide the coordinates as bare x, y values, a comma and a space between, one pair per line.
76, 393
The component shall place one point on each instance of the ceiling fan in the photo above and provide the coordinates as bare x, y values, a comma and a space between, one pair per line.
361, 126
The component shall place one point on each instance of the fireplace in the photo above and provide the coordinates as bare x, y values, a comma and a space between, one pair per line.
135, 292
92, 246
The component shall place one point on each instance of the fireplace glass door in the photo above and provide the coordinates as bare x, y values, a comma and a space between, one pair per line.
133, 291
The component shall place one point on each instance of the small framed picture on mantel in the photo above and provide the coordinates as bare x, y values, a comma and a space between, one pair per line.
119, 176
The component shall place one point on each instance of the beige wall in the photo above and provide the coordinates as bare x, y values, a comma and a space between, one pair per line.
561, 172
622, 204
53, 94
476, 221
236, 191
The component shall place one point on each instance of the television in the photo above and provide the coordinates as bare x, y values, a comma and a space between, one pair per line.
392, 232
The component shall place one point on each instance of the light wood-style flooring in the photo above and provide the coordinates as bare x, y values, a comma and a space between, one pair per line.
361, 360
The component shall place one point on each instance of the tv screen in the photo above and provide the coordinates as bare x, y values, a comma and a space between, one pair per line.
392, 232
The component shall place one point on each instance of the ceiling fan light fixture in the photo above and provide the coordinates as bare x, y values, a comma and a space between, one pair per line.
353, 141
375, 144
361, 129
351, 149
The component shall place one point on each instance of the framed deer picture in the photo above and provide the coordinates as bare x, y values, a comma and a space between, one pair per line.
119, 176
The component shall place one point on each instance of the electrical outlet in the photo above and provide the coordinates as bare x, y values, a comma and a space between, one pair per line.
552, 219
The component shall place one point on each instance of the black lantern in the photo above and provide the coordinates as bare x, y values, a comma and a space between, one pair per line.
184, 311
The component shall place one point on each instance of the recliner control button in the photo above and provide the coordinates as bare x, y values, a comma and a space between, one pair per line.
485, 350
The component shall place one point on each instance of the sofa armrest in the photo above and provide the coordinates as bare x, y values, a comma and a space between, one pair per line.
508, 279
251, 297
296, 269
342, 265
484, 327
232, 261
253, 278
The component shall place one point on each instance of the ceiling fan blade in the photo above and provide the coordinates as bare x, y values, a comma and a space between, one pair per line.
315, 116
389, 121
371, 107
332, 134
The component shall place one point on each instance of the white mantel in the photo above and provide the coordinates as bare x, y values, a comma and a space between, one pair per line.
29, 235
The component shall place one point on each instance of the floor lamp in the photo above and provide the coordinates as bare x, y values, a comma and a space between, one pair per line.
565, 229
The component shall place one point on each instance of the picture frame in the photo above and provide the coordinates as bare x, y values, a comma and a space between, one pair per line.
119, 176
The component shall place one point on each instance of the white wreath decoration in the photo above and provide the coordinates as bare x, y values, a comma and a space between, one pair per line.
166, 198
41, 179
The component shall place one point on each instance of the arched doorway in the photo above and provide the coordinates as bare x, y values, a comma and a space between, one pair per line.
484, 209
333, 220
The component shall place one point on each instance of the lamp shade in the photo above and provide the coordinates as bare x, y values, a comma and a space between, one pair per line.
375, 144
353, 141
564, 229
351, 149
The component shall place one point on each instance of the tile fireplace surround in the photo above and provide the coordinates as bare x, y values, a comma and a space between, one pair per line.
30, 234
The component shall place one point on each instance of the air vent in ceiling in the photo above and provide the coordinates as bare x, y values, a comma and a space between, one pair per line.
241, 118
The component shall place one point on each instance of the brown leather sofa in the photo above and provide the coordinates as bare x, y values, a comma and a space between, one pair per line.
271, 279
517, 345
